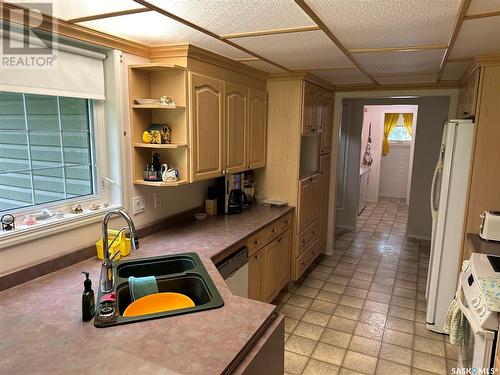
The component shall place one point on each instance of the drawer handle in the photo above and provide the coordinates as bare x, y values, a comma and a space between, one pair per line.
303, 241
286, 221
274, 230
256, 242
313, 232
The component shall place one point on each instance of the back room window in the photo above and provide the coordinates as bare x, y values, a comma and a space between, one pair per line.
46, 149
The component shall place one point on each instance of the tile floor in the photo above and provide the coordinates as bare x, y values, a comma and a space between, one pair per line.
362, 310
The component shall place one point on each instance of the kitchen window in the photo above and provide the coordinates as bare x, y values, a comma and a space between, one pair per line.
400, 132
46, 150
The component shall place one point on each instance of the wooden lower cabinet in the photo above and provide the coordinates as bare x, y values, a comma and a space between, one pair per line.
284, 255
270, 270
256, 275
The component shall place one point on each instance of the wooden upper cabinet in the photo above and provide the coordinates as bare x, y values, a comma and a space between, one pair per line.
236, 107
207, 127
309, 121
327, 124
467, 96
257, 128
321, 103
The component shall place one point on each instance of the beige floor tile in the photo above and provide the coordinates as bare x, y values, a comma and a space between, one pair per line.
290, 324
372, 317
283, 296
416, 371
300, 345
336, 338
315, 367
396, 354
307, 291
408, 303
294, 363
323, 268
308, 330
352, 301
346, 371
398, 312
360, 362
420, 316
365, 345
388, 368
378, 297
398, 338
422, 331
361, 284
342, 272
376, 307
286, 336
298, 300
451, 351
318, 275
356, 292
323, 306
362, 276
293, 312
402, 325
316, 317
313, 283
347, 312
328, 296
342, 324
332, 287
428, 362
329, 353
429, 346
372, 331
407, 293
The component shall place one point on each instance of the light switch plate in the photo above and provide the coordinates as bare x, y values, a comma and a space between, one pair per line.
139, 204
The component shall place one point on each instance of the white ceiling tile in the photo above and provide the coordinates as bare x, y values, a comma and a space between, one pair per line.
380, 63
342, 76
455, 70
311, 49
262, 65
418, 78
236, 16
155, 29
479, 36
388, 23
483, 6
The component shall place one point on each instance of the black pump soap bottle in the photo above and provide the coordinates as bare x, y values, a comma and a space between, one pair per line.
88, 301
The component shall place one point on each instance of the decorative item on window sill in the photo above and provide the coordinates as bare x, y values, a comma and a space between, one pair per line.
153, 172
95, 206
29, 220
8, 222
157, 134
167, 100
77, 209
169, 174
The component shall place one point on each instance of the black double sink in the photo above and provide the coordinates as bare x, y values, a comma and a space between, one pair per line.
180, 273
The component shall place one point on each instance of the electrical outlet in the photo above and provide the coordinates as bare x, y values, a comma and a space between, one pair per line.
139, 204
157, 199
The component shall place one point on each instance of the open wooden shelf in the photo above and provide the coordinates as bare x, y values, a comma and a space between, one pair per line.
153, 67
158, 106
162, 145
160, 183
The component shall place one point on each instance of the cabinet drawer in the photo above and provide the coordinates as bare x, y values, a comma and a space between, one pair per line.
279, 226
307, 237
306, 259
257, 241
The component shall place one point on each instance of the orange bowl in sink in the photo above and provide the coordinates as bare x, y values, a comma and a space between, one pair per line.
158, 302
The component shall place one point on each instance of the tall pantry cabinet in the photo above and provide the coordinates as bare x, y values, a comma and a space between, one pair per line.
300, 119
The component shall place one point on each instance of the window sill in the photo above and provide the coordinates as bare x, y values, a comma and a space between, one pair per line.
51, 226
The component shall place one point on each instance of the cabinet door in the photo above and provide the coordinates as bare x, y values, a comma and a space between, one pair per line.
270, 266
309, 108
324, 170
315, 198
256, 275
321, 102
304, 205
236, 107
257, 129
284, 255
327, 120
207, 127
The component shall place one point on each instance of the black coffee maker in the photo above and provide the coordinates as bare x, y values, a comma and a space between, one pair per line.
236, 201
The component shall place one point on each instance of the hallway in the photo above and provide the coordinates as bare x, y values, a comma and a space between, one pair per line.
362, 310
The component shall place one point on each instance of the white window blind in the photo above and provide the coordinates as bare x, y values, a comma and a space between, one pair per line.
79, 73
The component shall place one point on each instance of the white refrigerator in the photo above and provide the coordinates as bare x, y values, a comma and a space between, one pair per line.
448, 203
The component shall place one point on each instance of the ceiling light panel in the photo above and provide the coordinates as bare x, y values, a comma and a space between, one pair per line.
455, 70
388, 23
480, 36
306, 50
262, 65
483, 6
381, 63
155, 29
418, 78
342, 76
237, 16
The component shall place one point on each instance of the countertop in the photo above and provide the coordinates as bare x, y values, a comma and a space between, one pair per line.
41, 329
478, 245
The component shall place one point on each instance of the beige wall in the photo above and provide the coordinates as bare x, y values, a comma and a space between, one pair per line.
173, 200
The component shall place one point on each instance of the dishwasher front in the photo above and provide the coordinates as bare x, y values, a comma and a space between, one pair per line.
234, 271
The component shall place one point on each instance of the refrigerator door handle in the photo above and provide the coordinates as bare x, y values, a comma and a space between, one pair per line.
437, 172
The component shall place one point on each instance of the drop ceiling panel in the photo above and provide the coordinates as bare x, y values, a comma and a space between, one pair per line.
479, 36
418, 78
342, 76
483, 6
388, 23
262, 65
154, 29
236, 16
455, 70
312, 49
381, 63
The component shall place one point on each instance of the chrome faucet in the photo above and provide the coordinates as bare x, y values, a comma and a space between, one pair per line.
107, 278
